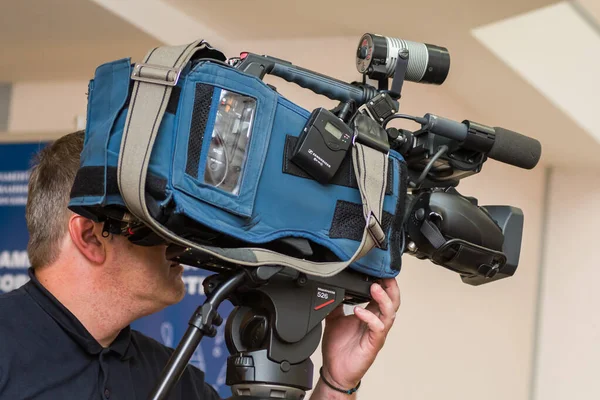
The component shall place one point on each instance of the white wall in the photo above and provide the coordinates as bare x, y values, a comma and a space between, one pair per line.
46, 106
455, 341
568, 358
450, 341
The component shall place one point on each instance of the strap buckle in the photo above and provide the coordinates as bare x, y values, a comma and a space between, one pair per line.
375, 230
158, 74
368, 132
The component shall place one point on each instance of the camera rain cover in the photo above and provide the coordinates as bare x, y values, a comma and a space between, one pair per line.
200, 153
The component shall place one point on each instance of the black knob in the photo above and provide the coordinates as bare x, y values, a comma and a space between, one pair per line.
393, 134
488, 271
243, 361
420, 214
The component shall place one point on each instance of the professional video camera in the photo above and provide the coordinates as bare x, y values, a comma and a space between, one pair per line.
402, 185
482, 244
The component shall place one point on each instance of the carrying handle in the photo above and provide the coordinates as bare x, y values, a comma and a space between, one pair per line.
332, 88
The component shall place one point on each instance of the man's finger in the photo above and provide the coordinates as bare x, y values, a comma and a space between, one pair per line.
390, 285
373, 322
385, 305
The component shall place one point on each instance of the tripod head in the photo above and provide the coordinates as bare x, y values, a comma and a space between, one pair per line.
270, 347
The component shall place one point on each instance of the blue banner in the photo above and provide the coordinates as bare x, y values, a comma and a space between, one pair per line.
15, 162
167, 326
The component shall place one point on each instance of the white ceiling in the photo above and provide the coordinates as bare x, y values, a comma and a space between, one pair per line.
70, 37
561, 58
271, 19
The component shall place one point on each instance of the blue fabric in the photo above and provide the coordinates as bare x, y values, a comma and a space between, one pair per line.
266, 99
270, 204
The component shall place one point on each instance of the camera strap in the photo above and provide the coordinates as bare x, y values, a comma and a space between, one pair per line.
154, 80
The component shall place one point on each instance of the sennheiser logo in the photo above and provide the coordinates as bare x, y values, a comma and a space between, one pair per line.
318, 159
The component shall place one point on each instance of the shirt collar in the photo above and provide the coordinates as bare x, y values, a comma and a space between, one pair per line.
71, 325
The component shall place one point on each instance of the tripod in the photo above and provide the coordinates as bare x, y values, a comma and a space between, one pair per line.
273, 330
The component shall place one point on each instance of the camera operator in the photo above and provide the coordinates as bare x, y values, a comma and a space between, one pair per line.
66, 333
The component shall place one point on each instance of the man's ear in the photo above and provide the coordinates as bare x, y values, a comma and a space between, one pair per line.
87, 237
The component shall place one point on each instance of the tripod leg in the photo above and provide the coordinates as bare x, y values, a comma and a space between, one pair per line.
201, 324
177, 363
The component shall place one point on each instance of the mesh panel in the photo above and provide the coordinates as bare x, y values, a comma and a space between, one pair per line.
349, 222
202, 101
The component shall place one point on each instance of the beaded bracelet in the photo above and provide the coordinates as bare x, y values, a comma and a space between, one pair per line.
351, 391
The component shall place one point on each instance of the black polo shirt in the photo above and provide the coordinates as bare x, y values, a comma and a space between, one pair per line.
46, 353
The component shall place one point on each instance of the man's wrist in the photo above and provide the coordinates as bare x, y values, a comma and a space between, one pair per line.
324, 392
331, 389
338, 384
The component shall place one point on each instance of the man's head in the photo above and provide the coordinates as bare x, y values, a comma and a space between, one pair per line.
62, 242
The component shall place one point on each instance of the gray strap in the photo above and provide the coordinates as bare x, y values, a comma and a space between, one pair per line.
149, 100
152, 88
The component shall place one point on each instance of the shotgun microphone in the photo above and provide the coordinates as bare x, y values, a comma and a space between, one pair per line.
500, 144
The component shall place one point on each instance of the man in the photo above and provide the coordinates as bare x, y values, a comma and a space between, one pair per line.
65, 334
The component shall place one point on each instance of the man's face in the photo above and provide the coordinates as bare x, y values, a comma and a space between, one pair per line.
144, 274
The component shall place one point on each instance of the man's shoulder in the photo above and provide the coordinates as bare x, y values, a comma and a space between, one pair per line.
15, 306
10, 305
23, 329
16, 297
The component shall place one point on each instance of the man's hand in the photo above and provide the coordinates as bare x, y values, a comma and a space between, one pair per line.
351, 343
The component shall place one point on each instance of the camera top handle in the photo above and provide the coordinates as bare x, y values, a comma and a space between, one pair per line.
332, 88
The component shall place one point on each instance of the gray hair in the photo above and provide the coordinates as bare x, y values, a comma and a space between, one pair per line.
48, 197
